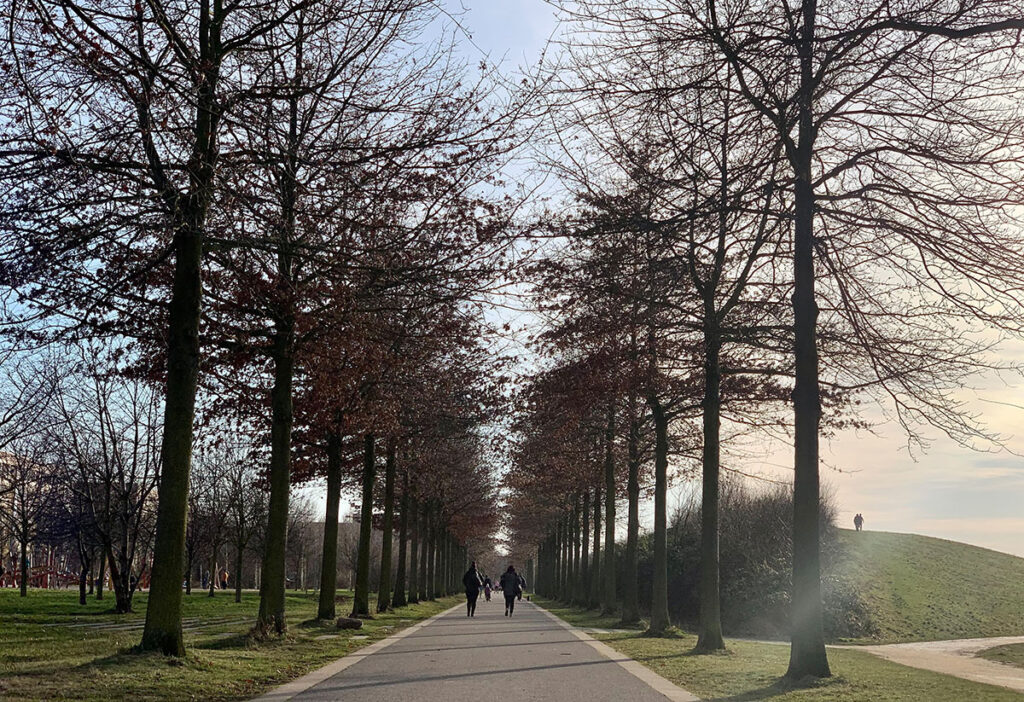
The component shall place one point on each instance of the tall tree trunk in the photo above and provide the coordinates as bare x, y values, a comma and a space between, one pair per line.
431, 555
556, 560
414, 550
630, 587
384, 590
24, 568
162, 630
424, 535
584, 597
710, 636
329, 562
399, 599
163, 614
103, 575
564, 557
574, 554
595, 567
361, 599
807, 652
83, 583
608, 594
659, 585
271, 616
213, 570
239, 563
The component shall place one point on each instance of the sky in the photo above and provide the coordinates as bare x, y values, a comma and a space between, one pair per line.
948, 491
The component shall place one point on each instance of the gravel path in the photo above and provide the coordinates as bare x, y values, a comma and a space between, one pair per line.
955, 657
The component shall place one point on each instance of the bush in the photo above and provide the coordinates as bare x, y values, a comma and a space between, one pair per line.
755, 566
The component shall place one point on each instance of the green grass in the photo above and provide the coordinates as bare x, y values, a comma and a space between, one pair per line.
43, 656
1012, 654
919, 588
753, 671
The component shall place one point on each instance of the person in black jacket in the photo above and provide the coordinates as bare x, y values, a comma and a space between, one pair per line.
511, 588
472, 582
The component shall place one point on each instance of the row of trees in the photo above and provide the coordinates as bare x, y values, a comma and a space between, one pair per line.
280, 219
772, 205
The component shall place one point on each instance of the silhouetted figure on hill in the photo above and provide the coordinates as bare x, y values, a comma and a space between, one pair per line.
858, 521
472, 582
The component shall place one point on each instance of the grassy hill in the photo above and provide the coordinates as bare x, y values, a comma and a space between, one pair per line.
917, 588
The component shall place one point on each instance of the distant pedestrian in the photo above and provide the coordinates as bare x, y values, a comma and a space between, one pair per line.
472, 582
858, 521
511, 588
223, 578
487, 589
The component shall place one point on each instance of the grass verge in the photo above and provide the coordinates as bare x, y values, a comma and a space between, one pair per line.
919, 588
52, 648
1012, 654
753, 671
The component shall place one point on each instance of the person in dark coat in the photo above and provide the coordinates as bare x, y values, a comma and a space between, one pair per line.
511, 588
472, 582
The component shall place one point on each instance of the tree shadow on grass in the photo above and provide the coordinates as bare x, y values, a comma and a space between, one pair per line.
780, 687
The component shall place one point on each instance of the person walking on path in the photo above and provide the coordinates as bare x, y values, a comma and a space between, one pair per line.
510, 587
858, 521
472, 582
487, 589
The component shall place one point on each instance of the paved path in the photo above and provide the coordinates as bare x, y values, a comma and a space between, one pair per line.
955, 657
530, 656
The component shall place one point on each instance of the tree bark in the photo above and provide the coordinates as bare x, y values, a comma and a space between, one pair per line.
213, 571
807, 652
163, 614
659, 581
431, 555
424, 536
271, 616
608, 594
24, 568
710, 635
361, 599
103, 575
239, 563
630, 587
326, 608
574, 580
384, 591
584, 590
414, 551
399, 598
596, 578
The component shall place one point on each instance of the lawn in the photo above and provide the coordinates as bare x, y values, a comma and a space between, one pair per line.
753, 671
52, 648
1012, 654
919, 588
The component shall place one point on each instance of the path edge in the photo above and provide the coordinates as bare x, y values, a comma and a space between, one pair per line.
638, 670
299, 685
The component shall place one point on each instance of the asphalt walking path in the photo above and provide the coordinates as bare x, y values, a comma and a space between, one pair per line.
530, 656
